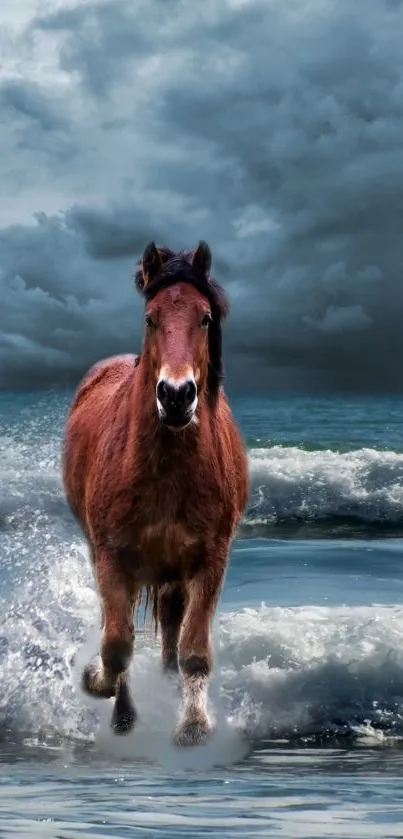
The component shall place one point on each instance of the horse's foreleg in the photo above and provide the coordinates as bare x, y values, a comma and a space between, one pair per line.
110, 678
171, 607
195, 651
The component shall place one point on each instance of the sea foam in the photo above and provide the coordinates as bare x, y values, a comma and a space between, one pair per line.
283, 674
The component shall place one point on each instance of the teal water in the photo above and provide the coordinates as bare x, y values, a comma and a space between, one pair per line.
307, 690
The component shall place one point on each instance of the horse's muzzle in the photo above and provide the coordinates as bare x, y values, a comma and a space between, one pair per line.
176, 402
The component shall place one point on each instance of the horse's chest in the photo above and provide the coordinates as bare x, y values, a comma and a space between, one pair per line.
178, 497
166, 527
165, 519
170, 540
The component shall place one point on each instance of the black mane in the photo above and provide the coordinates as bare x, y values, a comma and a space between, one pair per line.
177, 268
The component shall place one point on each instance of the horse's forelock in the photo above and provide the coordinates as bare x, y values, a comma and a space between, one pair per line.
177, 267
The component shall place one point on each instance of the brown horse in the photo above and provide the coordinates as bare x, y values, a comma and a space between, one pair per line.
155, 470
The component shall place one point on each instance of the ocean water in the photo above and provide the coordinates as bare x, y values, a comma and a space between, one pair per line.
307, 692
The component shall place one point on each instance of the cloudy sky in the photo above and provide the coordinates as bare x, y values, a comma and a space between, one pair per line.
271, 128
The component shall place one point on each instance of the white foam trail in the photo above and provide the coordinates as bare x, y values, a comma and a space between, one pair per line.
279, 673
157, 698
158, 705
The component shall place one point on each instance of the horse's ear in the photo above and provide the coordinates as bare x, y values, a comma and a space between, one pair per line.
151, 263
202, 259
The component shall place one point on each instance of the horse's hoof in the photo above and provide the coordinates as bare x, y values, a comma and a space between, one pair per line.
193, 734
91, 683
170, 666
124, 714
123, 723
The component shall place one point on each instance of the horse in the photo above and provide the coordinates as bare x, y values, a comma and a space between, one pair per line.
155, 472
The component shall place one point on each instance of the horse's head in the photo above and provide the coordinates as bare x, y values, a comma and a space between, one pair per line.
182, 341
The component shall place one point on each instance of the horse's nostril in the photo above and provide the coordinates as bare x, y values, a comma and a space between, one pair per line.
176, 399
162, 392
189, 392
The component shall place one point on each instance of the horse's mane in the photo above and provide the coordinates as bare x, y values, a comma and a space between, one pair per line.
177, 268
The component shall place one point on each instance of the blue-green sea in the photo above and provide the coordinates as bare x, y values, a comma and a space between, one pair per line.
307, 692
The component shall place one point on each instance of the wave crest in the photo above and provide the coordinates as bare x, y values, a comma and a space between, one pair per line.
290, 487
325, 487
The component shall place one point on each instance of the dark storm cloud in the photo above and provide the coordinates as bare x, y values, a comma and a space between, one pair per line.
107, 235
26, 100
98, 38
274, 130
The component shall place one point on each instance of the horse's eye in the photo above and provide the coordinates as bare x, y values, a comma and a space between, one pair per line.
207, 319
148, 321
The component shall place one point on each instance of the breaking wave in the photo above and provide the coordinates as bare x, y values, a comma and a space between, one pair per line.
363, 487
359, 490
306, 674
